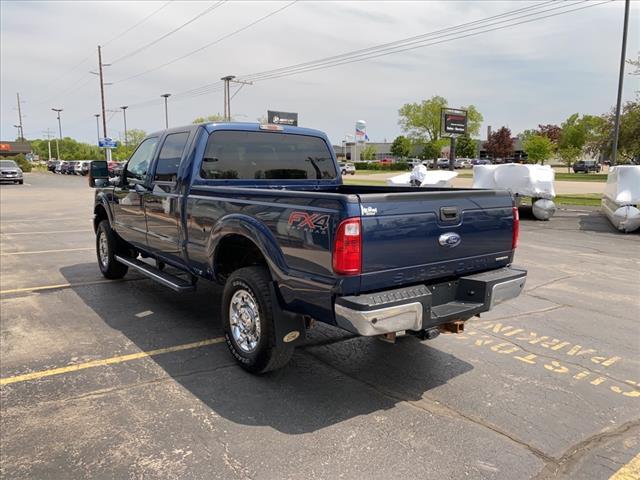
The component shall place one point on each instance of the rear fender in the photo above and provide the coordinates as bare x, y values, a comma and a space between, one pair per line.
253, 230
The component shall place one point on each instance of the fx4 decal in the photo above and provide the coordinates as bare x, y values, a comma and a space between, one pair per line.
314, 222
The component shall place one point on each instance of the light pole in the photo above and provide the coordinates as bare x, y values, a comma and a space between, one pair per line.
124, 113
97, 115
166, 112
58, 110
20, 136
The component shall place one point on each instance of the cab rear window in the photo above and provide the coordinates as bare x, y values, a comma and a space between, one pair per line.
235, 155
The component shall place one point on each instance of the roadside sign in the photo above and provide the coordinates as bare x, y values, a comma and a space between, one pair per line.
453, 121
107, 143
282, 118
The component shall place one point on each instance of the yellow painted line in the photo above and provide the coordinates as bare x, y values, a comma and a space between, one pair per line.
47, 233
37, 252
53, 287
631, 471
109, 361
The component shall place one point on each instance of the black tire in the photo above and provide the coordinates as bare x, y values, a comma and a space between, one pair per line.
110, 267
20, 182
266, 355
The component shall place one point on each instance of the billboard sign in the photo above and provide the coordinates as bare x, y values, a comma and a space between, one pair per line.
454, 122
282, 118
107, 143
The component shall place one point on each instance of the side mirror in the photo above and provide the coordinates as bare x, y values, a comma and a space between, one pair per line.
98, 170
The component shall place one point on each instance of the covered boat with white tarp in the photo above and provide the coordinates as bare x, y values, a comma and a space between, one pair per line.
621, 199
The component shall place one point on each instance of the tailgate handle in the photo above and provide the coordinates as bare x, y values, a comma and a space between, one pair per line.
449, 214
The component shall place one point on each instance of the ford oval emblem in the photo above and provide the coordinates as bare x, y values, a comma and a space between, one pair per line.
449, 240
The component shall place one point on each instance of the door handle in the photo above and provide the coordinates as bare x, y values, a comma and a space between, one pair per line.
449, 214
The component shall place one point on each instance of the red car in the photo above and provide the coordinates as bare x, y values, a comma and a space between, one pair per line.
115, 168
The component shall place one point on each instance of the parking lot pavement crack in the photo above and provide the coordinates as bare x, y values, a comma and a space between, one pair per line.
565, 464
437, 408
551, 282
234, 464
562, 360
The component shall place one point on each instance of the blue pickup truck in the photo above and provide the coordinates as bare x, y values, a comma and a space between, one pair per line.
262, 210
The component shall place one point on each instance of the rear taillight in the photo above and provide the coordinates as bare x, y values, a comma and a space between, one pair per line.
516, 228
347, 248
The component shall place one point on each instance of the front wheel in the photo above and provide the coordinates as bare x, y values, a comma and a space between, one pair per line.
106, 248
247, 316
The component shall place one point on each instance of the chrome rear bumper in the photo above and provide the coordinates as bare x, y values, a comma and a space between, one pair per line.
418, 308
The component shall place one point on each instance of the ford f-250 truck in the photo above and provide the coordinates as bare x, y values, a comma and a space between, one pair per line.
262, 210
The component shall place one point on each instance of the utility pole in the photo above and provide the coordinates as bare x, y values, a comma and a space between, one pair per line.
166, 111
48, 132
20, 117
227, 94
19, 132
124, 113
623, 54
104, 116
58, 110
97, 115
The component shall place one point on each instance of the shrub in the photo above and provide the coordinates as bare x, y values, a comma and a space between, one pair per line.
23, 163
381, 166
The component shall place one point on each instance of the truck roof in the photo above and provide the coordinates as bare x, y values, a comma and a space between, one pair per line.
241, 126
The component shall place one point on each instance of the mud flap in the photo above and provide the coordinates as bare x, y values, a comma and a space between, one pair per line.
290, 328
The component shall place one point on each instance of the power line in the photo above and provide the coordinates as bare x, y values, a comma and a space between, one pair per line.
210, 44
417, 37
162, 37
136, 24
411, 44
357, 56
395, 47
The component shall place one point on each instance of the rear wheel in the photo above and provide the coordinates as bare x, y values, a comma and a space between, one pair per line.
248, 320
106, 249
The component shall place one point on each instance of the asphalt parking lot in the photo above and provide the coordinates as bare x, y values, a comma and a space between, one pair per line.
127, 379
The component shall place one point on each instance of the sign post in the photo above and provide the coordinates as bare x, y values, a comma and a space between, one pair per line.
107, 143
453, 123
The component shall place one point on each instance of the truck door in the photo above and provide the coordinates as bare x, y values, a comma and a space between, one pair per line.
161, 202
129, 218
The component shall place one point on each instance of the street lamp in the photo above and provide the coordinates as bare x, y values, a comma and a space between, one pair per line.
166, 113
58, 110
97, 115
124, 113
20, 134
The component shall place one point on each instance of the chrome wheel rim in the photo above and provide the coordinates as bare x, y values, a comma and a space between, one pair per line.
245, 320
103, 249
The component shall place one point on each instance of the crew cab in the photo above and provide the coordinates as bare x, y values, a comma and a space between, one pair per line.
262, 210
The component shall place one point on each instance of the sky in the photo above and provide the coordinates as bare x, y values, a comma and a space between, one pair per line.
520, 76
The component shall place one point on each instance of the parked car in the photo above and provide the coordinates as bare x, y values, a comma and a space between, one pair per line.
60, 166
442, 163
586, 166
480, 161
262, 210
70, 167
51, 165
463, 163
82, 167
347, 168
10, 172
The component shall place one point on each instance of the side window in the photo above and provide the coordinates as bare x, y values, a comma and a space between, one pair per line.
140, 160
170, 156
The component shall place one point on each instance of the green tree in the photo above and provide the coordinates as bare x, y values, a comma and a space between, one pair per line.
368, 153
209, 118
466, 147
500, 144
431, 150
401, 147
421, 121
123, 152
580, 135
538, 147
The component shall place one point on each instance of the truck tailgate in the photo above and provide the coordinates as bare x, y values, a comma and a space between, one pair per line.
412, 237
